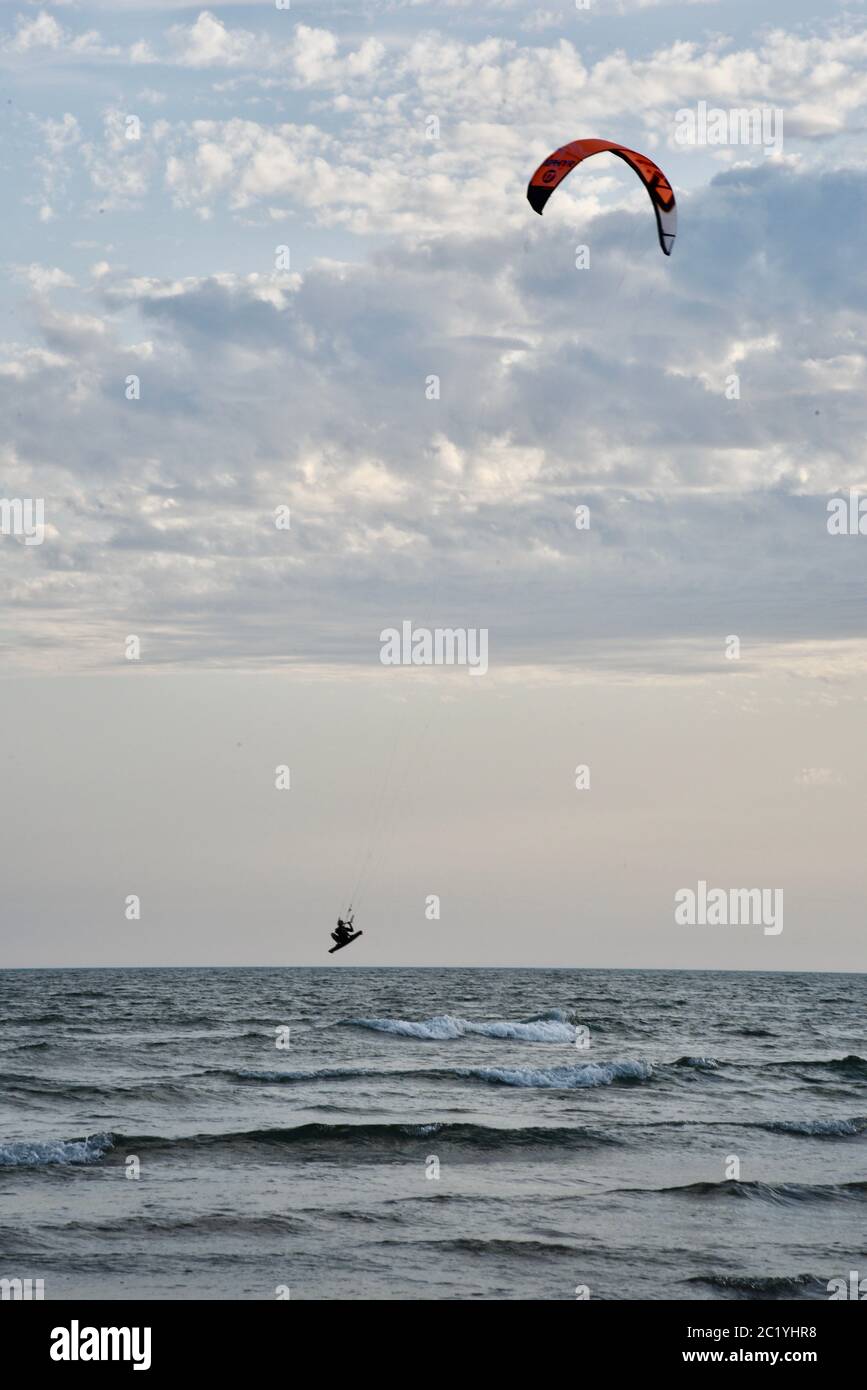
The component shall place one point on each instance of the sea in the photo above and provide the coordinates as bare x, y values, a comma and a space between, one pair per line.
392, 1134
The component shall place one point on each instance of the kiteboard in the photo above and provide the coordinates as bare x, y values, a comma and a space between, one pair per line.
341, 944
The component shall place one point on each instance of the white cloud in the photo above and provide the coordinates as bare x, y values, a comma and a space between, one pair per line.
500, 106
210, 43
60, 134
308, 390
309, 57
558, 387
41, 32
42, 278
46, 40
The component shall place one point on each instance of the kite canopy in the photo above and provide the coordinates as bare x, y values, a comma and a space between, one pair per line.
555, 168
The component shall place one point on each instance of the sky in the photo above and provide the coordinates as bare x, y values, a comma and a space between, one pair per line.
289, 361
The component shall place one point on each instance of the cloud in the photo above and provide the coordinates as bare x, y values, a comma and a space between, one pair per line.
42, 278
122, 164
44, 37
364, 160
41, 32
819, 80
359, 159
310, 57
210, 43
558, 388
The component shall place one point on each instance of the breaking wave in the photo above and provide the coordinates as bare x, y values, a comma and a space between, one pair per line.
445, 1027
22, 1154
564, 1078
820, 1129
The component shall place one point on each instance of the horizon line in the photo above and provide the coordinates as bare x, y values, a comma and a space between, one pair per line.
625, 969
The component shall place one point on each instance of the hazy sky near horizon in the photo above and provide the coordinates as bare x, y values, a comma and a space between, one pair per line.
266, 135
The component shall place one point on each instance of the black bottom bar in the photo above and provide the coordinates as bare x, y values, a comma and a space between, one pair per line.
223, 1338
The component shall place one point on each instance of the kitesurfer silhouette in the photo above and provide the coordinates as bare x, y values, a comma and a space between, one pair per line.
344, 931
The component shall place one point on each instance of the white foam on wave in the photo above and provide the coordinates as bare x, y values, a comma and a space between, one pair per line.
830, 1128
564, 1078
444, 1027
22, 1154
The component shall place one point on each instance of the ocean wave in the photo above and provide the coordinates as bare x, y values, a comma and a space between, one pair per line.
531, 1136
586, 1074
327, 1139
445, 1027
781, 1194
225, 1035
573, 1016
464, 1134
22, 1154
27, 1085
497, 1245
852, 1066
208, 1222
564, 1078
763, 1285
270, 1077
357, 1216
820, 1129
